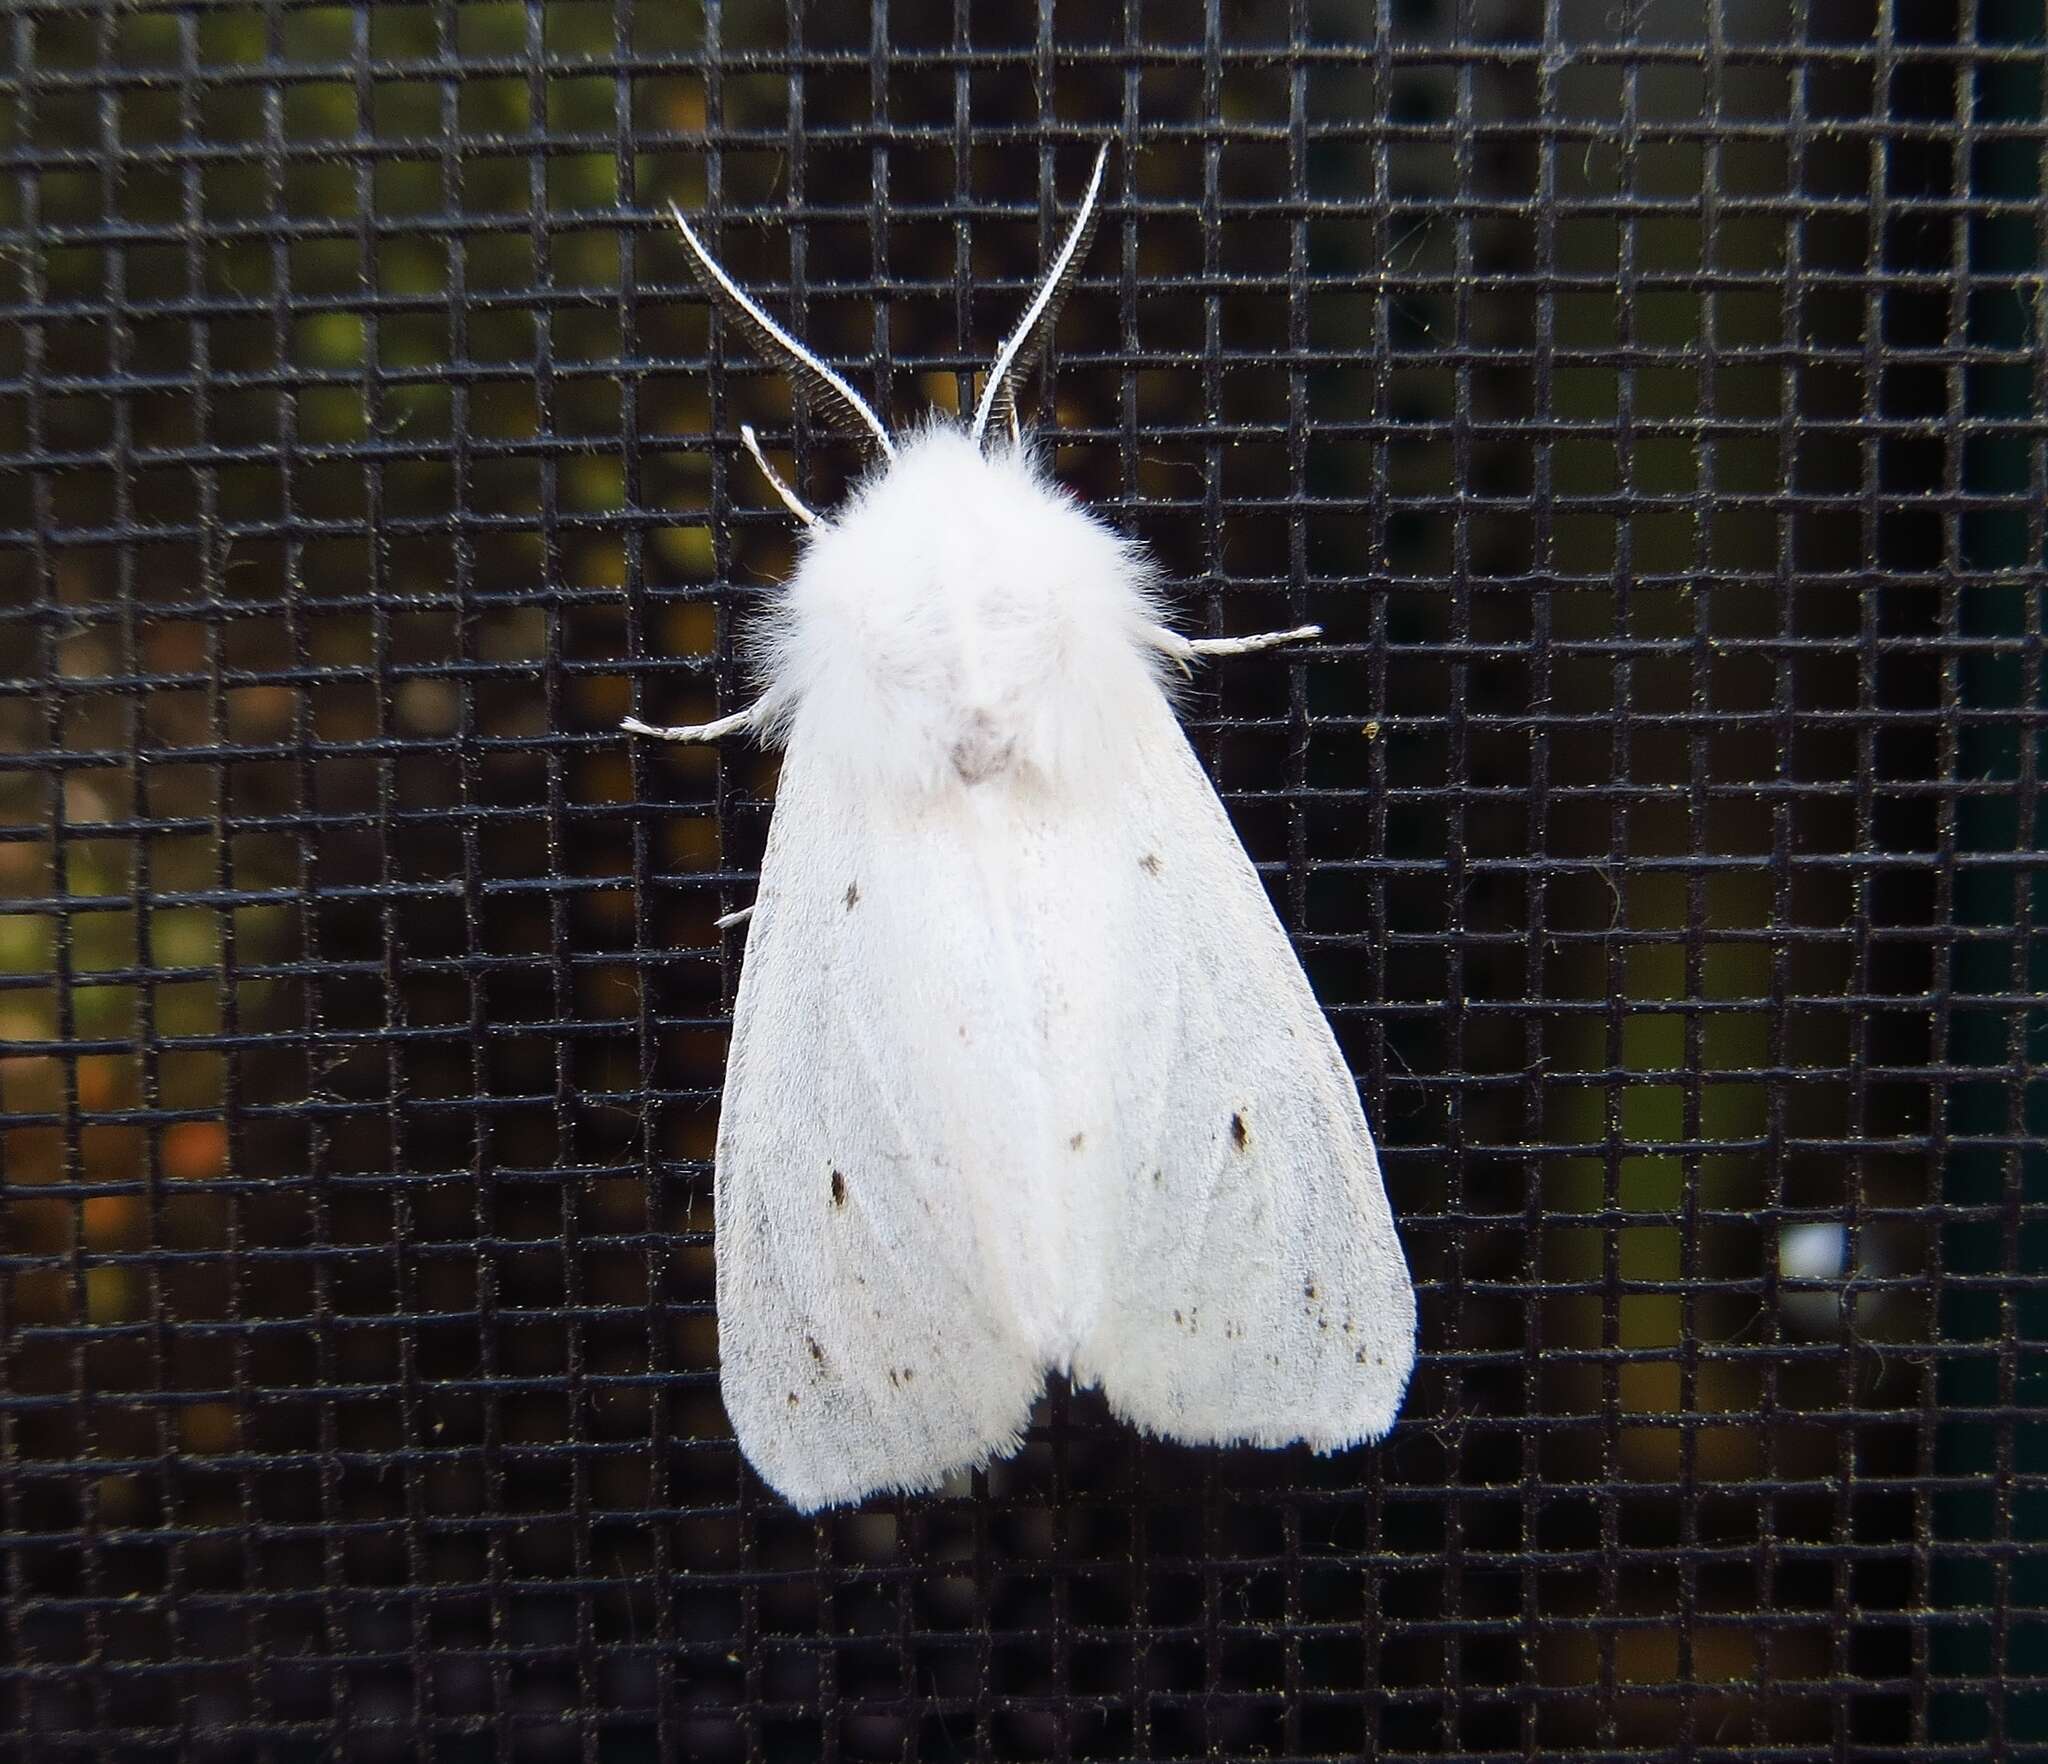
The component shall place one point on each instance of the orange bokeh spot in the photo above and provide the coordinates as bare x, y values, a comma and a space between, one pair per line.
195, 1150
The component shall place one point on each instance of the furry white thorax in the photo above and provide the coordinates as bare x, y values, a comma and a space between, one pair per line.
961, 620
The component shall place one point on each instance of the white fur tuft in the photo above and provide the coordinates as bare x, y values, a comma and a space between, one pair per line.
961, 619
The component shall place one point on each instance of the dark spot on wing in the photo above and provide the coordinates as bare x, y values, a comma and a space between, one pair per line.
1076, 1143
817, 1353
1309, 1291
852, 895
1158, 1176
838, 1189
1239, 1132
792, 1399
1150, 863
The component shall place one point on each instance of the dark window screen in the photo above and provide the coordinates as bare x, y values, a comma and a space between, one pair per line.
1647, 399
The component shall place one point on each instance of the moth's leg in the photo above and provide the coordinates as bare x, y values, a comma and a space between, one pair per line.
718, 731
790, 500
714, 731
1187, 649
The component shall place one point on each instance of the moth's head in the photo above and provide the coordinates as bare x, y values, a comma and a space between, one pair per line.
962, 618
950, 515
992, 431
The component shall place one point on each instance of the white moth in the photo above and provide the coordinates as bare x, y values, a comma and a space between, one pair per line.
1025, 1074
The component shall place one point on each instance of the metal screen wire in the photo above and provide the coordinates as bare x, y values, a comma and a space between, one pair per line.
1646, 397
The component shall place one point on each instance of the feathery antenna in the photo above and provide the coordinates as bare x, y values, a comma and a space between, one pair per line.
1021, 347
842, 403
